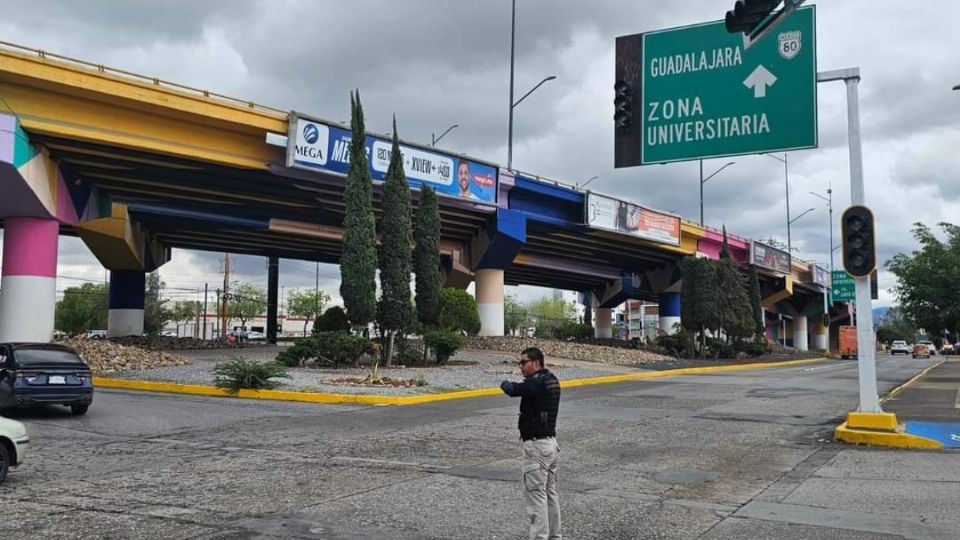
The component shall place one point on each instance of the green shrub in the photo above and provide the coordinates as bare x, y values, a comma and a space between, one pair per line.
755, 348
680, 344
328, 348
334, 319
458, 312
720, 349
444, 343
408, 352
240, 373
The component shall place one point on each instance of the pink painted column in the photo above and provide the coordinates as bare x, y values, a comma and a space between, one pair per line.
28, 292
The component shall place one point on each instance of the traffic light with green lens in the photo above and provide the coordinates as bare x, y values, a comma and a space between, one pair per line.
623, 105
859, 241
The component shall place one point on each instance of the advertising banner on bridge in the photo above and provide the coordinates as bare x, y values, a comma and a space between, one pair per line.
820, 276
769, 257
318, 146
635, 220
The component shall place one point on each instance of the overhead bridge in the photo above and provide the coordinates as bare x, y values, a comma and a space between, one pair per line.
136, 166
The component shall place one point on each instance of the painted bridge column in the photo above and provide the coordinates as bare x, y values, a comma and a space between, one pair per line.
28, 290
820, 335
603, 326
669, 308
490, 301
800, 341
126, 303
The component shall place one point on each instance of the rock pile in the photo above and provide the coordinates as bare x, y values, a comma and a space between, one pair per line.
568, 349
107, 357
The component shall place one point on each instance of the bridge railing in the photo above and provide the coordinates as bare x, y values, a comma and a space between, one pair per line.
45, 55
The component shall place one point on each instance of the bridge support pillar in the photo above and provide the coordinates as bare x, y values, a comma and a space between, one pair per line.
800, 333
603, 326
669, 308
820, 336
29, 293
273, 284
490, 301
126, 303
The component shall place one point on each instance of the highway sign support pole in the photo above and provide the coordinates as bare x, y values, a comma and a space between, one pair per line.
866, 360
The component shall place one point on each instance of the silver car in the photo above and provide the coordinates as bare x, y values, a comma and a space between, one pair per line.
13, 445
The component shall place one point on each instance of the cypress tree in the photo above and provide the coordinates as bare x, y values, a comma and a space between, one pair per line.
426, 257
753, 291
396, 237
725, 248
698, 296
358, 264
733, 301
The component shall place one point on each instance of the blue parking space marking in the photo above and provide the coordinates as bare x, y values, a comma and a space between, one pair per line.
947, 433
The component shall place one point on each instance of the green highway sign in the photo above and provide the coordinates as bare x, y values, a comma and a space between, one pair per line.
844, 288
697, 93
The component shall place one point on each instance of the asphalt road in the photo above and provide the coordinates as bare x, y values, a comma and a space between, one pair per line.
738, 455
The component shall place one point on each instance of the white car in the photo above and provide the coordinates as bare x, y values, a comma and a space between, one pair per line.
899, 346
930, 345
13, 445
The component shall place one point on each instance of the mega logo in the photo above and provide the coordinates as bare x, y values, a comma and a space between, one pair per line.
311, 147
311, 133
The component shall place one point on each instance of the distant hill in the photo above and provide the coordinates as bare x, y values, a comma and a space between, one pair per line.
880, 314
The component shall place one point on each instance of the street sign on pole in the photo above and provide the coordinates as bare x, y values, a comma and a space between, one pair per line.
700, 94
844, 287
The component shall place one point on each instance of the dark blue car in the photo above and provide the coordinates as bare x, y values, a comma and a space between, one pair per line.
44, 374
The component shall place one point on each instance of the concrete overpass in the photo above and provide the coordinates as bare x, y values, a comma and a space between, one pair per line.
136, 166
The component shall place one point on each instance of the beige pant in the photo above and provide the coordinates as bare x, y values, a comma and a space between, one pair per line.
540, 458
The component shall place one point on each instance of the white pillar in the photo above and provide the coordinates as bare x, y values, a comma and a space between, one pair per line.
28, 289
603, 323
669, 310
800, 333
490, 301
821, 340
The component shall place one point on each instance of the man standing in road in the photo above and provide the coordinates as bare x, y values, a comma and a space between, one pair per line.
539, 403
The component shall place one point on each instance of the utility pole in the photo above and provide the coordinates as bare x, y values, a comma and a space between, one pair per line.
205, 291
226, 293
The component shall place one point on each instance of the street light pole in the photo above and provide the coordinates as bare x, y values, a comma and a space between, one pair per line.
704, 181
786, 181
435, 140
513, 29
829, 199
592, 178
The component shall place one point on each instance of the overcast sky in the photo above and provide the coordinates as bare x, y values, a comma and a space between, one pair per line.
441, 62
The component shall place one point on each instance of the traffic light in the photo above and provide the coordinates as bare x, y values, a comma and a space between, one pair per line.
623, 105
859, 243
747, 14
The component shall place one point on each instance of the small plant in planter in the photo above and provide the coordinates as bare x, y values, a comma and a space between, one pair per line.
241, 373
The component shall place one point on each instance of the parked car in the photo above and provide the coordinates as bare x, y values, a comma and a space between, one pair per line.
920, 350
96, 334
44, 374
256, 335
13, 445
930, 346
947, 348
899, 346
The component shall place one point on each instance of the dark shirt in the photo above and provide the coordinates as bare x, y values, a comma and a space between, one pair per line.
539, 403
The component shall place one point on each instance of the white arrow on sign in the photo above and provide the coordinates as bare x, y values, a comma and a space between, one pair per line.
759, 79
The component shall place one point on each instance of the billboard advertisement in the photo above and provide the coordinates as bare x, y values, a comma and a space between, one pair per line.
769, 257
318, 146
821, 276
628, 218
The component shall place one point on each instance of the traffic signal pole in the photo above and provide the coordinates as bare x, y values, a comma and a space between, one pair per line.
866, 346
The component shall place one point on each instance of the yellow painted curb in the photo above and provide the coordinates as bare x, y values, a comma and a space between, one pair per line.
893, 439
367, 399
872, 420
